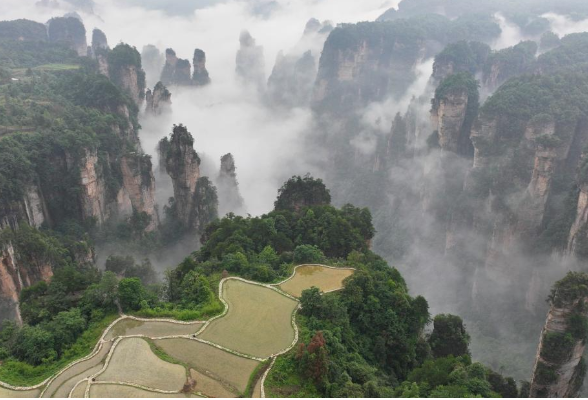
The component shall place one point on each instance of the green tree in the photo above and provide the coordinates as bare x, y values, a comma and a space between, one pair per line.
131, 293
449, 336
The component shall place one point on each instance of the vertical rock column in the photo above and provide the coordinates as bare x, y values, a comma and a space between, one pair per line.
559, 367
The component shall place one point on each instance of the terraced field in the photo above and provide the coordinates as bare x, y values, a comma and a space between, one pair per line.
325, 278
258, 323
224, 357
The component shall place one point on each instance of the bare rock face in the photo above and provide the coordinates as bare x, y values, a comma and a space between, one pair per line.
200, 76
448, 116
250, 62
31, 208
507, 63
17, 273
578, 237
183, 166
176, 70
139, 184
159, 100
99, 41
126, 71
364, 63
195, 198
68, 30
99, 51
559, 365
228, 187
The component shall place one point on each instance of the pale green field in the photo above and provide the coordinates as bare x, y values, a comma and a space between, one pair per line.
150, 329
80, 391
258, 322
76, 370
133, 361
115, 391
231, 370
7, 393
325, 279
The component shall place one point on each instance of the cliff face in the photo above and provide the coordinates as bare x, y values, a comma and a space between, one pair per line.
228, 187
250, 62
70, 31
159, 100
507, 63
200, 76
99, 41
16, 275
559, 367
195, 198
364, 63
125, 70
139, 185
176, 71
448, 117
183, 166
579, 231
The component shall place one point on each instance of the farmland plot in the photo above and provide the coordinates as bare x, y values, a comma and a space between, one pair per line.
133, 361
258, 323
64, 382
152, 329
231, 371
7, 393
117, 391
306, 276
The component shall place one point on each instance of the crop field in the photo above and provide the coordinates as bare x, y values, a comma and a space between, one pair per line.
133, 361
306, 276
210, 387
63, 390
7, 393
152, 329
113, 391
231, 371
258, 323
79, 391
64, 380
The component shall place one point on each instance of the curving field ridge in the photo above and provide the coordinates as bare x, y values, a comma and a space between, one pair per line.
221, 357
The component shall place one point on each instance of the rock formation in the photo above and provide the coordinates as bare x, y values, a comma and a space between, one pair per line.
460, 57
16, 274
159, 100
153, 61
139, 185
507, 63
23, 29
292, 79
228, 187
250, 62
176, 70
193, 205
364, 63
455, 107
99, 51
200, 76
125, 70
70, 31
559, 366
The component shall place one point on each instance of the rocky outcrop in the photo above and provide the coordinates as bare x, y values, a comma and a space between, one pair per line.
559, 366
228, 187
31, 209
125, 70
22, 30
70, 31
200, 76
159, 100
292, 79
250, 62
448, 116
99, 51
460, 57
194, 206
176, 71
507, 63
15, 274
364, 63
578, 237
139, 185
99, 41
